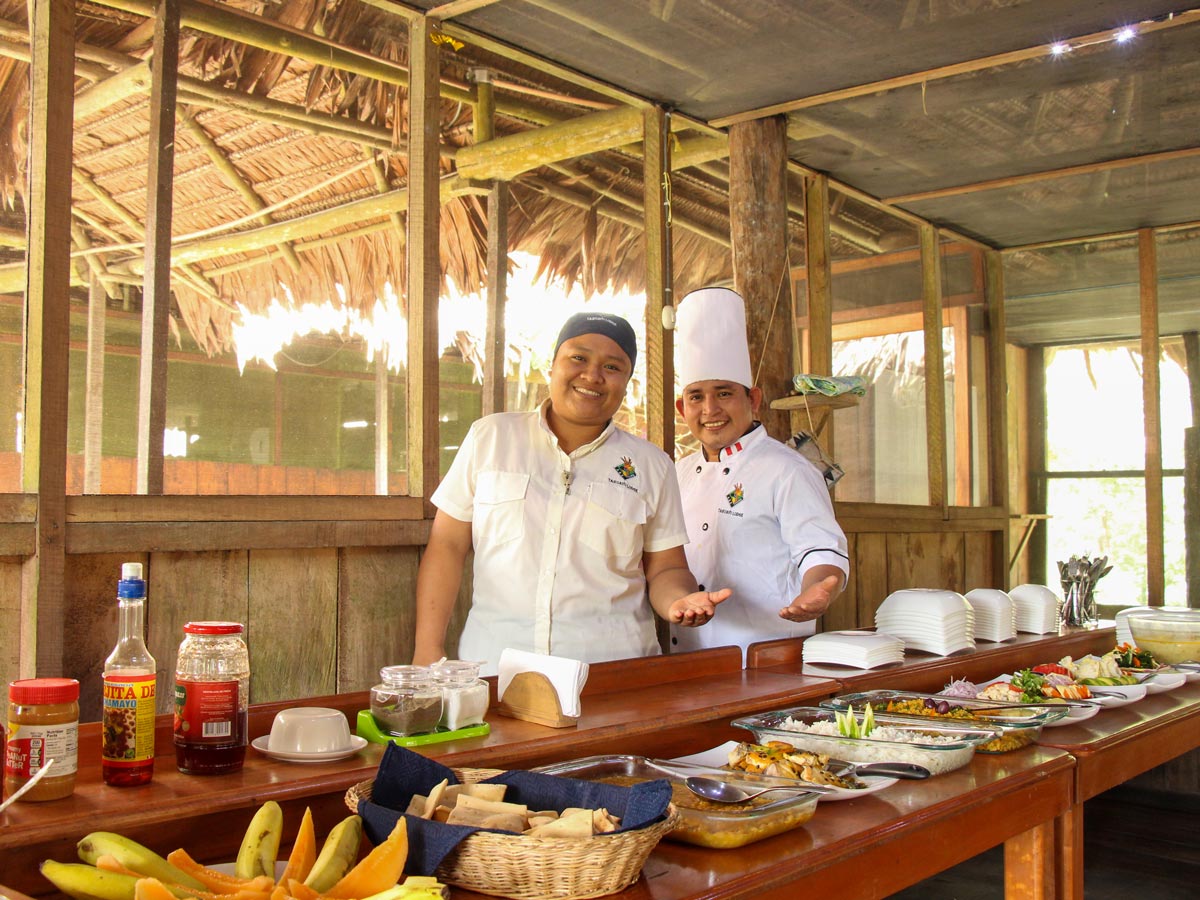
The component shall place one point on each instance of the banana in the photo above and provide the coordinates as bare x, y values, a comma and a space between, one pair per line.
261, 843
415, 887
338, 855
133, 855
84, 882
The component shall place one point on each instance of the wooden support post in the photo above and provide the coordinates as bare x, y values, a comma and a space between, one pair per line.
935, 365
660, 343
960, 426
819, 294
156, 288
1152, 417
495, 341
382, 424
997, 405
424, 270
1038, 488
758, 228
47, 324
93, 408
1191, 473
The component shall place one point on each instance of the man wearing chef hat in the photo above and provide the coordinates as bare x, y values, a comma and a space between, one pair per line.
758, 513
574, 523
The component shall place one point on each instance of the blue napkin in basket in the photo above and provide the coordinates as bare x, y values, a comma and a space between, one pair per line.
403, 773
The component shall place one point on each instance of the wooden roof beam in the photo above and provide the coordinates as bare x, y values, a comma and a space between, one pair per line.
1046, 175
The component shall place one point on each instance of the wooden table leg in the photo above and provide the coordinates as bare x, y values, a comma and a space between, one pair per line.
1068, 854
1029, 862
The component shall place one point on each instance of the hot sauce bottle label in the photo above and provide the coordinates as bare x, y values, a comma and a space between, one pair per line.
128, 719
206, 711
30, 746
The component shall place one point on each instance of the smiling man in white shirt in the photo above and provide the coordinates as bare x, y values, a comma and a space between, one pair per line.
758, 513
572, 520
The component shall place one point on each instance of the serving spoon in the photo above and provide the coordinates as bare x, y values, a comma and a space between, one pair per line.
724, 792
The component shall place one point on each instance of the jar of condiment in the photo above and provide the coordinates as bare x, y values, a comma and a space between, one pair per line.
43, 725
408, 701
212, 698
464, 693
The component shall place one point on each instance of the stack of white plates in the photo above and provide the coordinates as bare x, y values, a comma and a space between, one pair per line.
935, 621
995, 615
1037, 607
855, 649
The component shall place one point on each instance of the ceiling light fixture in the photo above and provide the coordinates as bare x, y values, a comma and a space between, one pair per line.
1060, 48
1125, 34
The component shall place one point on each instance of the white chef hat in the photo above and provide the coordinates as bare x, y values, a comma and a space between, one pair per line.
710, 342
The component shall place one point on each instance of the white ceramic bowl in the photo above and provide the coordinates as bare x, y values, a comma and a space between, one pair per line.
309, 729
990, 598
1034, 595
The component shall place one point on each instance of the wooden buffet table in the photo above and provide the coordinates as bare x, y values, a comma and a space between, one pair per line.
1030, 800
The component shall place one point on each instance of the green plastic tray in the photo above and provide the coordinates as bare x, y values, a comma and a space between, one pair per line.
367, 728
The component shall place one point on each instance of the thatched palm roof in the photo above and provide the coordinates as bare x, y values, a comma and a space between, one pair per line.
582, 217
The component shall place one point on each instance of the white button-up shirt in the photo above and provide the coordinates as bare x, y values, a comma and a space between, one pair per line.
558, 538
758, 519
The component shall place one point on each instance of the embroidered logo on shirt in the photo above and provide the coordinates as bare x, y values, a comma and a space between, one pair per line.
626, 469
736, 496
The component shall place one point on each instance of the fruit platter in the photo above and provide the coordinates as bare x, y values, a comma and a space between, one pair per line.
114, 867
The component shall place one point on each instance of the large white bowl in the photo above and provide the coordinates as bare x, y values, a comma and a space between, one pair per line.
925, 600
1172, 635
1034, 595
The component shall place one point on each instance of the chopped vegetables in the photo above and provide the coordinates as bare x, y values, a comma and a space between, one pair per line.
1132, 657
849, 726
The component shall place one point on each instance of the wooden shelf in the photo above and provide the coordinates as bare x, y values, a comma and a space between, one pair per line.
815, 401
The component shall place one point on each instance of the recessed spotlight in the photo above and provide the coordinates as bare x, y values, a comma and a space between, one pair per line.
1060, 48
1125, 34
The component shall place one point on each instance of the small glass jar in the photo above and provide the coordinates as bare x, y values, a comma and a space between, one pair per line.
464, 694
407, 701
212, 698
43, 724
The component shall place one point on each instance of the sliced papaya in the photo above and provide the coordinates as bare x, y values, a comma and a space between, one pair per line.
301, 891
151, 889
110, 863
378, 870
304, 851
216, 882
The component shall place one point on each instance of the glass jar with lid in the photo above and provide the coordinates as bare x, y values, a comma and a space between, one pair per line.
407, 701
212, 698
464, 694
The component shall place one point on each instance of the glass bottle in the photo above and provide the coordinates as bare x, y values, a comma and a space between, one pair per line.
212, 698
127, 732
408, 701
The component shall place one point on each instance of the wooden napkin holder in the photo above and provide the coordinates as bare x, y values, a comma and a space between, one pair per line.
531, 696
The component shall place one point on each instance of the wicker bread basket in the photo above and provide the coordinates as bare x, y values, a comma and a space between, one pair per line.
539, 868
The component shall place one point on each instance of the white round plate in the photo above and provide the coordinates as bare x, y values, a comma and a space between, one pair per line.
1119, 694
356, 744
1163, 680
717, 758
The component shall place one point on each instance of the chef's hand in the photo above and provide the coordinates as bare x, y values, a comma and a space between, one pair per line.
696, 609
813, 600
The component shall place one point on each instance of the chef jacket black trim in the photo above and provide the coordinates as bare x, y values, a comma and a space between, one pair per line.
800, 561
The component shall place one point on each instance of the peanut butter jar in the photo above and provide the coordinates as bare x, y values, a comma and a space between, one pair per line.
43, 725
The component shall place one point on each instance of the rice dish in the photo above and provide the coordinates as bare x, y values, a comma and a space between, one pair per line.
936, 752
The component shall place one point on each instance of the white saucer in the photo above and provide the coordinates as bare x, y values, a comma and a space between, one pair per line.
1074, 715
356, 744
717, 757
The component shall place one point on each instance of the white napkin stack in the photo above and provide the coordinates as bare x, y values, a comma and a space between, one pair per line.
935, 621
1037, 608
568, 676
995, 614
853, 649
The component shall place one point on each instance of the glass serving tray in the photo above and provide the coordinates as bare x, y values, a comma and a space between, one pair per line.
702, 822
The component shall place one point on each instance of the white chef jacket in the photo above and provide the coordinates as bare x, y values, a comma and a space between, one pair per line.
558, 538
758, 519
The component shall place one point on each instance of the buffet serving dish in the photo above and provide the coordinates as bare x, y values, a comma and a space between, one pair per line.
938, 747
702, 822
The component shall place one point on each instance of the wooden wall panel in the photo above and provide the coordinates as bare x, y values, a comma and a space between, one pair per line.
187, 587
979, 561
843, 614
90, 604
924, 560
376, 612
293, 630
10, 615
870, 562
